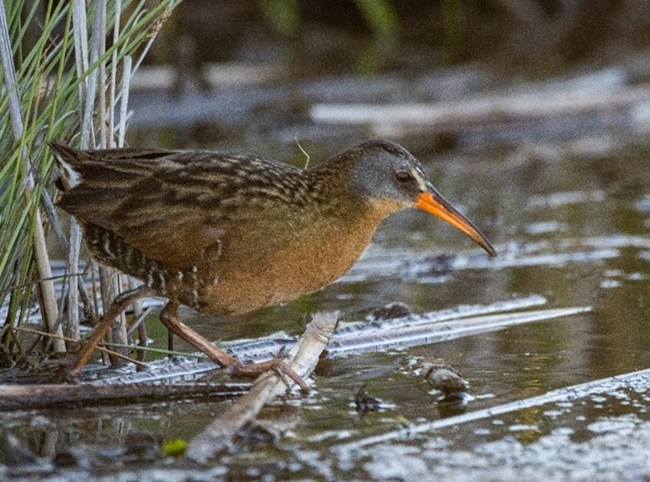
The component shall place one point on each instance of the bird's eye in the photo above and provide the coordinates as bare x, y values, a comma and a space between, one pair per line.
403, 176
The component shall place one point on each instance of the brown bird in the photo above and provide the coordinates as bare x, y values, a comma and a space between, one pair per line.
229, 233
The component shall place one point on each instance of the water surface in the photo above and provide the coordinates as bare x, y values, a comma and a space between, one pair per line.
571, 228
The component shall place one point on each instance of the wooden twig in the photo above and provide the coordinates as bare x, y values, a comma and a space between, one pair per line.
304, 356
22, 397
100, 348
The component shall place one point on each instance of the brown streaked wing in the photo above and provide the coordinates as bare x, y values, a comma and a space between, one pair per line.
173, 205
127, 191
166, 226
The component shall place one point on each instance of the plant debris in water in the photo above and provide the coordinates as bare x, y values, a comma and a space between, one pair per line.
365, 402
447, 380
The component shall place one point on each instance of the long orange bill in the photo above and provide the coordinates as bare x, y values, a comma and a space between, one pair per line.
435, 204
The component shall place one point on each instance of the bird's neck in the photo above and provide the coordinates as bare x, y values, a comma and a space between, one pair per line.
330, 188
331, 184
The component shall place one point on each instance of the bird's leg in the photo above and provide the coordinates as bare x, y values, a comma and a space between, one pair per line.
170, 342
169, 318
276, 365
119, 304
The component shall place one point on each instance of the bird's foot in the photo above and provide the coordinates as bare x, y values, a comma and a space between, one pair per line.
71, 371
280, 367
68, 373
169, 318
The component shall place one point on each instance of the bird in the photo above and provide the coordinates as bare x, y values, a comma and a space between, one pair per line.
227, 233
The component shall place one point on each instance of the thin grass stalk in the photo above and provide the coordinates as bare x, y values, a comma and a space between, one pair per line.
73, 280
121, 134
113, 81
112, 280
124, 101
80, 30
46, 287
87, 131
100, 9
87, 100
154, 33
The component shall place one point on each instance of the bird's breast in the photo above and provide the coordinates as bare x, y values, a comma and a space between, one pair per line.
280, 267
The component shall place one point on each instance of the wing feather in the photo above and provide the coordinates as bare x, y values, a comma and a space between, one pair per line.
172, 205
126, 192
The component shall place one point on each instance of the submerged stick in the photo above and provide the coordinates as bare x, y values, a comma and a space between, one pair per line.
364, 337
23, 397
393, 118
304, 356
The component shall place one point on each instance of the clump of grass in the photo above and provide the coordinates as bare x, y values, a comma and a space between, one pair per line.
66, 68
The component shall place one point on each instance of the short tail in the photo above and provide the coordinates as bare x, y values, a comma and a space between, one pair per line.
68, 159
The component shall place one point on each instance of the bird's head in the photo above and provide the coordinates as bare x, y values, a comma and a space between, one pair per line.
388, 176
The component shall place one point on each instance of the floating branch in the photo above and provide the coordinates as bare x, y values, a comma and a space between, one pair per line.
304, 357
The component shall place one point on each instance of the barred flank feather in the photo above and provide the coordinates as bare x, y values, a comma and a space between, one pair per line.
185, 285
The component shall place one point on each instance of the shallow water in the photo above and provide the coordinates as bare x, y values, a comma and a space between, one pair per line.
573, 229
